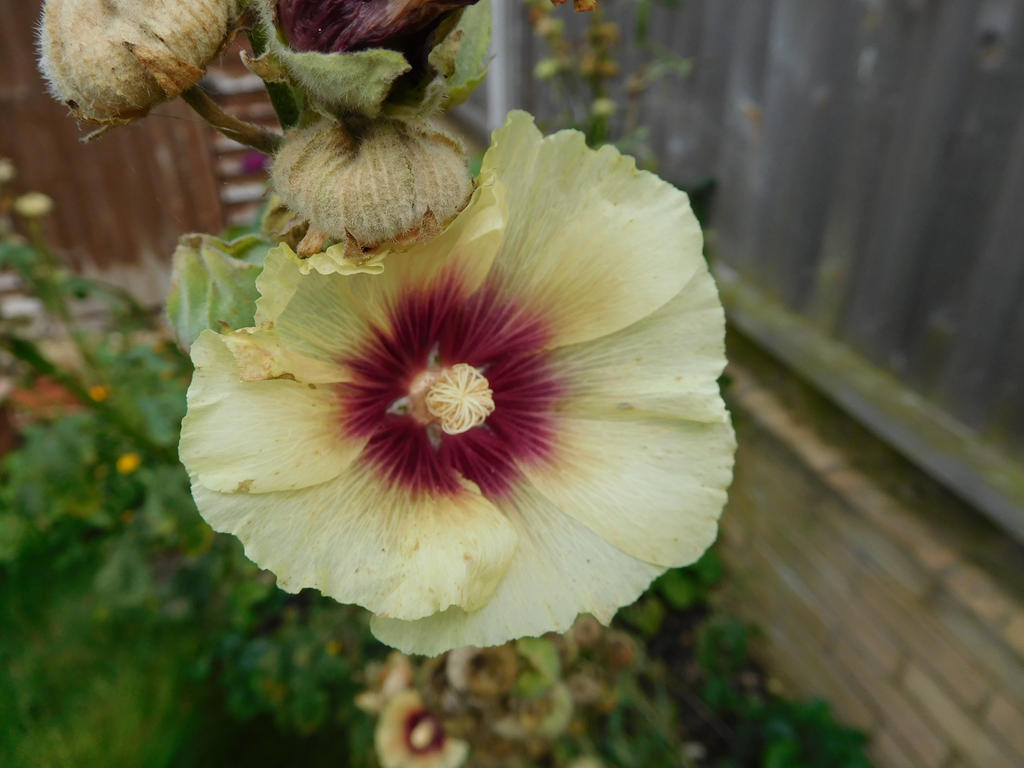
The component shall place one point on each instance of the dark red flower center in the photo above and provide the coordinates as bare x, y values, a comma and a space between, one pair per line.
436, 329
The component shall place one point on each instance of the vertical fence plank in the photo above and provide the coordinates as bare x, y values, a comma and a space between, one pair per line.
875, 93
967, 188
809, 63
671, 111
740, 189
980, 382
894, 259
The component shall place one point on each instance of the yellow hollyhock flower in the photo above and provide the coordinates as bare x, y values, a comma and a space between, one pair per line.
513, 423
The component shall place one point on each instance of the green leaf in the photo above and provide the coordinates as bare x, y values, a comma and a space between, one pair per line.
470, 39
17, 256
545, 666
646, 615
338, 84
680, 589
782, 754
708, 569
213, 284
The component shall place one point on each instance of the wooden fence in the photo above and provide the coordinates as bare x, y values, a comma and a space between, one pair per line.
868, 219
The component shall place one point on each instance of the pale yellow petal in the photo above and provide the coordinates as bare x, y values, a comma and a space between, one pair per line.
315, 315
321, 312
253, 437
592, 244
560, 569
261, 355
653, 488
360, 542
453, 754
390, 735
666, 364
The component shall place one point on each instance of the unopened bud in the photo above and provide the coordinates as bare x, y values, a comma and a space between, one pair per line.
588, 64
549, 27
373, 182
546, 69
111, 61
602, 107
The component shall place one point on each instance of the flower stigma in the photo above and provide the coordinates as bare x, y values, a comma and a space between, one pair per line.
425, 732
460, 399
456, 398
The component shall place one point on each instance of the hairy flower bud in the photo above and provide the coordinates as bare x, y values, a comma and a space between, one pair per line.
334, 26
373, 182
111, 61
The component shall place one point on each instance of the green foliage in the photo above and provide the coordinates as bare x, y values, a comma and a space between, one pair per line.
690, 587
678, 589
544, 667
768, 730
336, 83
584, 74
213, 284
462, 55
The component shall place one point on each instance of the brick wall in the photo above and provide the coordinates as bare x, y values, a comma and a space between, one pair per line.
906, 614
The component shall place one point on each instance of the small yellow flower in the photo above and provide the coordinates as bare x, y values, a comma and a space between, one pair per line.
33, 205
333, 648
99, 393
602, 107
128, 463
546, 69
515, 422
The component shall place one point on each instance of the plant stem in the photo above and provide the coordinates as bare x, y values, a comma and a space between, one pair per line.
245, 133
282, 98
46, 282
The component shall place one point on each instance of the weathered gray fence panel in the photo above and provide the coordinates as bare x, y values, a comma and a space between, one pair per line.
869, 161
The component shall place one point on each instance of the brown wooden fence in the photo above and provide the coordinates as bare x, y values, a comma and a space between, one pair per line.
868, 224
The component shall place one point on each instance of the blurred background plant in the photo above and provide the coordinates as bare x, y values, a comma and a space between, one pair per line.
596, 94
